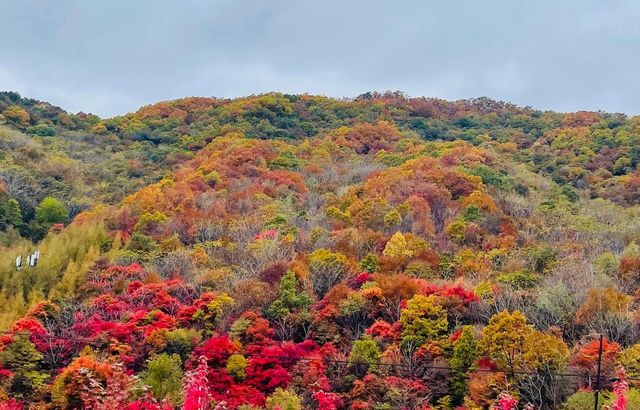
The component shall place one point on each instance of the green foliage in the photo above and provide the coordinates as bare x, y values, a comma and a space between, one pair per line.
181, 342
606, 263
365, 352
149, 219
141, 242
24, 360
290, 299
286, 160
456, 230
42, 130
51, 211
211, 315
542, 258
629, 358
423, 320
370, 263
284, 400
465, 352
65, 258
420, 269
236, 365
471, 213
582, 400
10, 214
213, 178
164, 376
491, 176
392, 218
521, 279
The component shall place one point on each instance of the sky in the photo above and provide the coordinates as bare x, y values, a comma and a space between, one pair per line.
111, 57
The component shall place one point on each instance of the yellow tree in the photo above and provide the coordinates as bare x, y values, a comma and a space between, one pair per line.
503, 339
397, 247
16, 115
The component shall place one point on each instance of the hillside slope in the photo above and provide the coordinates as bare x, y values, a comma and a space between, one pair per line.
306, 252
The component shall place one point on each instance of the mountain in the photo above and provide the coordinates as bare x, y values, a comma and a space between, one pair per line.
297, 251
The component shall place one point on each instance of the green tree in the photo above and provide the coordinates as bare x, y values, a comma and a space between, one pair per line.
236, 365
141, 242
423, 320
51, 211
10, 214
465, 352
164, 376
181, 342
288, 309
392, 219
284, 400
370, 263
24, 360
365, 353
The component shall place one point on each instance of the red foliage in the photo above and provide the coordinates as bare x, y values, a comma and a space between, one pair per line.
196, 388
587, 355
384, 330
11, 404
28, 325
328, 401
259, 332
506, 402
217, 350
268, 234
453, 292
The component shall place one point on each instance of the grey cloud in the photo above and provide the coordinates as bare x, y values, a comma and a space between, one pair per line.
110, 57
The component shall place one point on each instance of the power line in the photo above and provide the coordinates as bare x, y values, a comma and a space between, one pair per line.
378, 363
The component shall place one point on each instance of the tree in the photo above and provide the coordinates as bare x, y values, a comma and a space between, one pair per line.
629, 358
181, 342
465, 352
24, 360
164, 375
423, 320
365, 354
10, 214
287, 308
17, 115
545, 357
236, 365
326, 269
504, 337
370, 263
397, 247
283, 400
51, 211
141, 242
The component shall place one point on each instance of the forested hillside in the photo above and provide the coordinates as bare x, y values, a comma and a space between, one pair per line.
301, 252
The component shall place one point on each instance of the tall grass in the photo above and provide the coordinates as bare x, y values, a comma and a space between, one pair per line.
64, 259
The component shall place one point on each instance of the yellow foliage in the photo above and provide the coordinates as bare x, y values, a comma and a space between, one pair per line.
397, 247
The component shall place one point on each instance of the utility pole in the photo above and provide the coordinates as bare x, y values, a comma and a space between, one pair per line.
596, 392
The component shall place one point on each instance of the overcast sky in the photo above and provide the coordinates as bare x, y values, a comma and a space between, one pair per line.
110, 57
